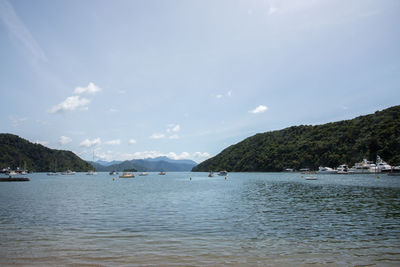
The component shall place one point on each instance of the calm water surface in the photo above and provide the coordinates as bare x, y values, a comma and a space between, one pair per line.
250, 219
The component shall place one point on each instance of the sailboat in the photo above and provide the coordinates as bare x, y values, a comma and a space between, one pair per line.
92, 172
55, 169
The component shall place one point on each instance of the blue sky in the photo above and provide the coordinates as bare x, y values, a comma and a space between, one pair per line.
186, 79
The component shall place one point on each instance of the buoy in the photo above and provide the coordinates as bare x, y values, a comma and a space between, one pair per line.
113, 179
378, 177
225, 177
190, 178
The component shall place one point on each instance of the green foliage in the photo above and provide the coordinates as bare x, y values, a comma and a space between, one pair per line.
303, 146
17, 152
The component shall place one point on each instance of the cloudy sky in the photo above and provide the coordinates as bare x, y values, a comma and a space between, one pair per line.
186, 79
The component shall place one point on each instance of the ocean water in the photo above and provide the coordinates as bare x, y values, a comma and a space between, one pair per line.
248, 219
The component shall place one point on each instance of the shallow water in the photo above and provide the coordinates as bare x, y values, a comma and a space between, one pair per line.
253, 219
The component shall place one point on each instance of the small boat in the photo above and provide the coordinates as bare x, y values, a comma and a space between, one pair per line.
143, 174
223, 173
309, 172
211, 174
161, 173
326, 170
52, 173
15, 179
363, 167
382, 166
113, 173
311, 178
68, 172
127, 175
91, 173
10, 173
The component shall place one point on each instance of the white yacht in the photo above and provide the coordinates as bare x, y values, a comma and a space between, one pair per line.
68, 172
382, 166
342, 169
223, 173
143, 174
91, 173
326, 170
363, 167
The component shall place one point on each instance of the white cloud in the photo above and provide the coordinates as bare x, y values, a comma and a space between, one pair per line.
157, 136
174, 136
259, 109
16, 121
90, 89
64, 140
111, 155
183, 155
132, 141
71, 103
219, 96
173, 128
113, 142
229, 93
201, 155
90, 143
112, 110
18, 29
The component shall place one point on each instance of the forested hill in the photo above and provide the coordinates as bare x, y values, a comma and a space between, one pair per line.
304, 146
18, 152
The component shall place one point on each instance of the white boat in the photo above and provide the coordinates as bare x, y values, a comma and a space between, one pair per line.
382, 166
52, 173
363, 167
326, 170
342, 169
92, 172
223, 173
161, 173
143, 174
127, 175
211, 174
10, 173
68, 172
113, 173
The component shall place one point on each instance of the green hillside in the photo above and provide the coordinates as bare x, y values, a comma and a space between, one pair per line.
303, 146
18, 152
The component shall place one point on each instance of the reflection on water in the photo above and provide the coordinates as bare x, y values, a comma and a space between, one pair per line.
248, 219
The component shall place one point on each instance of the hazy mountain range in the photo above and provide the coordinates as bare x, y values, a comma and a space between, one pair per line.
148, 165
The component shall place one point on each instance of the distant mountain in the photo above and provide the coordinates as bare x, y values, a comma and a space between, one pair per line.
148, 165
330, 144
107, 163
18, 152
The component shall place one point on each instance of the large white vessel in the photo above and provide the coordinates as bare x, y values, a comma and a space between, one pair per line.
382, 166
326, 170
342, 169
364, 167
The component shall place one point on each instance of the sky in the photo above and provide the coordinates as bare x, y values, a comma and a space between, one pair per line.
118, 80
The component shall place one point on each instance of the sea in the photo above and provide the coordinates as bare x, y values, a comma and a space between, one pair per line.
190, 219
